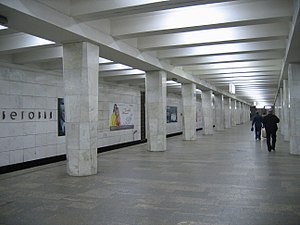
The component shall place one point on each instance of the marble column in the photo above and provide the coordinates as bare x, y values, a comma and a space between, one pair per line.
207, 99
247, 113
243, 113
294, 90
219, 109
281, 112
233, 112
80, 74
248, 119
213, 105
227, 111
156, 92
286, 113
188, 92
238, 113
277, 108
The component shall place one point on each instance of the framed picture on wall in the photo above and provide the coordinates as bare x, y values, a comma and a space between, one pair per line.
171, 114
61, 117
121, 116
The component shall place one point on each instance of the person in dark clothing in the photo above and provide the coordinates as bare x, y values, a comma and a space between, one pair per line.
270, 123
257, 122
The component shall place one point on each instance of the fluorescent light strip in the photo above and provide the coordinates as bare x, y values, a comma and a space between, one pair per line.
2, 27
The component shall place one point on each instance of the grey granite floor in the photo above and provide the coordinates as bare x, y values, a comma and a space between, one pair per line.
224, 179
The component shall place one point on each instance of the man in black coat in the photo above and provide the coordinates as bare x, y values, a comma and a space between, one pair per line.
257, 121
270, 123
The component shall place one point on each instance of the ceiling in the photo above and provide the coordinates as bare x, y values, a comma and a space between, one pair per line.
213, 43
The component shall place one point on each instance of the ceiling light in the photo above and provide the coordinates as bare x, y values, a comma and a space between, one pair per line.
2, 27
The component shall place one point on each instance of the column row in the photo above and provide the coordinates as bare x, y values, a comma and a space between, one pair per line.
80, 74
223, 112
288, 102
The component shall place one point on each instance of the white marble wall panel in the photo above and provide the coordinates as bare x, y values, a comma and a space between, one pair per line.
16, 156
41, 139
20, 92
4, 87
16, 88
294, 87
41, 153
4, 158
29, 154
29, 89
117, 93
5, 143
9, 101
29, 141
61, 149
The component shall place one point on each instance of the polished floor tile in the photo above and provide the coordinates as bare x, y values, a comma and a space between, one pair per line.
224, 179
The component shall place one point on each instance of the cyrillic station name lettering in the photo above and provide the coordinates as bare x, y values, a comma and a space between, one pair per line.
22, 115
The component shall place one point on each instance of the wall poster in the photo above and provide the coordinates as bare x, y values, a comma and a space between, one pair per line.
171, 114
61, 117
121, 116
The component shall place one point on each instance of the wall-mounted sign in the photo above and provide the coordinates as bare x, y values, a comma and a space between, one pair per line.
121, 116
16, 115
61, 117
171, 114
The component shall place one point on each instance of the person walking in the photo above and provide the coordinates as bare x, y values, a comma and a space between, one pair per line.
257, 122
270, 123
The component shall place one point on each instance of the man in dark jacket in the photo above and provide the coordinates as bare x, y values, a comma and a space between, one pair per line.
257, 121
270, 123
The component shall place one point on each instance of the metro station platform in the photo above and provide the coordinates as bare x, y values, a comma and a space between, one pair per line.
227, 178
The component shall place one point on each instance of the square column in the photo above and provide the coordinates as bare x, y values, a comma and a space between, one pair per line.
227, 111
277, 109
188, 92
233, 112
219, 108
248, 114
207, 106
80, 73
243, 112
286, 111
238, 112
156, 93
294, 86
281, 111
